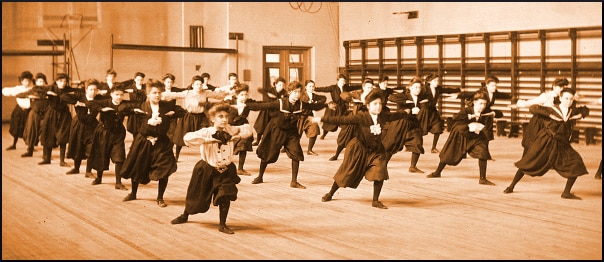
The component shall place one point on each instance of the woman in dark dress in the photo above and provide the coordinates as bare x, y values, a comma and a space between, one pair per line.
354, 101
341, 106
39, 106
83, 124
283, 131
431, 121
311, 129
489, 86
407, 133
365, 154
238, 117
56, 125
551, 148
269, 94
151, 156
109, 135
21, 110
468, 136
136, 94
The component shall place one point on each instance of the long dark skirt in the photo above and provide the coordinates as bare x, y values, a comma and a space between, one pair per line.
329, 126
360, 162
55, 128
547, 153
430, 122
458, 146
347, 133
403, 133
147, 161
264, 116
17, 121
243, 145
208, 184
188, 123
31, 133
107, 145
274, 138
80, 139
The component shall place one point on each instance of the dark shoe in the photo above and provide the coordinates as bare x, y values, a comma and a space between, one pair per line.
225, 229
432, 175
129, 197
64, 164
72, 171
570, 196
434, 151
508, 190
255, 143
282, 150
44, 162
161, 203
484, 181
415, 170
598, 176
311, 153
96, 181
296, 185
120, 186
333, 158
322, 137
27, 154
326, 198
243, 173
180, 219
378, 204
257, 180
89, 175
11, 148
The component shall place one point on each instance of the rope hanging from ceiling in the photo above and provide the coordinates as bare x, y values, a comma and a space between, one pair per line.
308, 7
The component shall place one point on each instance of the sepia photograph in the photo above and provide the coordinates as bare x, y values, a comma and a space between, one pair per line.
301, 131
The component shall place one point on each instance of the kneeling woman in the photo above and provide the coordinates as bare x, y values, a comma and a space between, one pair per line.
215, 175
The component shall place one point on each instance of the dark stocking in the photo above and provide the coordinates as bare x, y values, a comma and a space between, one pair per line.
324, 134
482, 166
338, 151
262, 168
569, 184
46, 153
435, 141
414, 159
224, 206
334, 188
161, 189
77, 163
134, 189
295, 167
439, 169
311, 143
118, 173
178, 148
377, 188
62, 149
242, 156
517, 177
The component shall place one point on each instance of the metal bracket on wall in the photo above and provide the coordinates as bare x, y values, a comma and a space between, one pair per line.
235, 36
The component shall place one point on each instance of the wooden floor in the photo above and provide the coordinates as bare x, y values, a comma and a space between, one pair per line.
49, 215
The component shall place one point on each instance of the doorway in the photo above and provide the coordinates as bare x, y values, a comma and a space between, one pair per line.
289, 62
